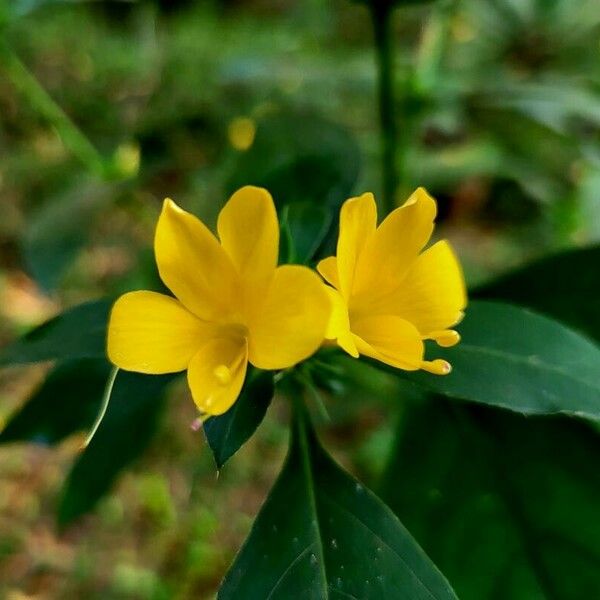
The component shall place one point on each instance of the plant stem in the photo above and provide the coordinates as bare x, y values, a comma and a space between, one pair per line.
306, 379
381, 15
41, 101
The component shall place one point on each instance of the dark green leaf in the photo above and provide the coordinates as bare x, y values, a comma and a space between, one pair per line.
79, 332
300, 157
565, 286
506, 505
321, 534
519, 360
66, 402
127, 428
307, 225
228, 432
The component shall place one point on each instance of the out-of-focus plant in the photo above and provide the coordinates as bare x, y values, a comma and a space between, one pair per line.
491, 469
508, 110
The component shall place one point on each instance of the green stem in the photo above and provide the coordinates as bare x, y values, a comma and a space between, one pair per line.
41, 101
381, 14
306, 378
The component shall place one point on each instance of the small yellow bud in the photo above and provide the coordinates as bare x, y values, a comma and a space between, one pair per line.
127, 158
241, 133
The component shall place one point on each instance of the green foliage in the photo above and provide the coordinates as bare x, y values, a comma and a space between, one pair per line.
299, 157
304, 227
65, 403
504, 91
386, 5
506, 505
60, 229
321, 534
498, 113
127, 428
227, 433
516, 359
564, 286
79, 332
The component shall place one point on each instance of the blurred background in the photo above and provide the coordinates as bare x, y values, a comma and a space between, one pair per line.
108, 107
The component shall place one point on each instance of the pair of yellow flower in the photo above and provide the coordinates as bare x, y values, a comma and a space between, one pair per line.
234, 305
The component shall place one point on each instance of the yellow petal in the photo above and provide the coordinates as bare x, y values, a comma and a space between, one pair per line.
290, 324
329, 271
216, 374
338, 327
358, 220
193, 264
432, 296
249, 233
153, 333
395, 245
389, 339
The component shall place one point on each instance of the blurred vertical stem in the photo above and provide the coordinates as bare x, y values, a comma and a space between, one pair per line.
40, 100
381, 15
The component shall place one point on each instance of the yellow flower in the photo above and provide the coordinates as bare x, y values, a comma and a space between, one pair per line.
232, 305
389, 296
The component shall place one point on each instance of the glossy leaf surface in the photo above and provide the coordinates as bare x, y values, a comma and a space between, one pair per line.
516, 359
226, 433
321, 534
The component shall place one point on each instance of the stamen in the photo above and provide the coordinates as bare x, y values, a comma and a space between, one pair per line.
446, 337
437, 366
222, 374
200, 420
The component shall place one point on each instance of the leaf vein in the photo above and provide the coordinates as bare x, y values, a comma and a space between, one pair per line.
357, 519
519, 359
289, 569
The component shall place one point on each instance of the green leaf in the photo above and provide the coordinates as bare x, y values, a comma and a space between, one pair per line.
57, 232
65, 403
516, 359
321, 534
565, 286
300, 157
306, 225
79, 332
125, 432
506, 505
227, 433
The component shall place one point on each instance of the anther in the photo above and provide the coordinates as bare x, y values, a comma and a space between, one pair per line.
437, 366
196, 424
446, 337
